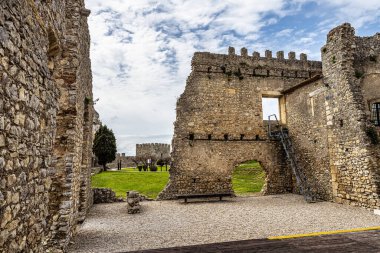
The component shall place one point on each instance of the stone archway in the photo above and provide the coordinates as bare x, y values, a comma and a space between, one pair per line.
248, 178
202, 166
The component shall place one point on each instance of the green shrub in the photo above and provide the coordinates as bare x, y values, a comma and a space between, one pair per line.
160, 162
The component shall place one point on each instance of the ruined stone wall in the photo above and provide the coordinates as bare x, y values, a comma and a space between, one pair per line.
126, 161
44, 150
353, 163
306, 122
156, 150
220, 121
367, 69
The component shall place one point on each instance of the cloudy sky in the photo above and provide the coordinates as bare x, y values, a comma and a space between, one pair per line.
141, 49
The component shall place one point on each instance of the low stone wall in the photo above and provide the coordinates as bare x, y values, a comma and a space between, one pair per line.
104, 195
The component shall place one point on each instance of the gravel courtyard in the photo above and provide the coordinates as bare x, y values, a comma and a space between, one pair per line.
109, 228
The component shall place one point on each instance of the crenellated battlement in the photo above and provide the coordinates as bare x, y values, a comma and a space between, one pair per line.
256, 65
152, 145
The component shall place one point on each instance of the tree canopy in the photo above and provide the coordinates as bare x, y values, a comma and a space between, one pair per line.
104, 146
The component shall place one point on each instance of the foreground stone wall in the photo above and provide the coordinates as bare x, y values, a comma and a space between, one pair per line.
45, 115
220, 121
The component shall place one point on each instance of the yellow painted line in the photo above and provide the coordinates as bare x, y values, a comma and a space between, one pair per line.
323, 233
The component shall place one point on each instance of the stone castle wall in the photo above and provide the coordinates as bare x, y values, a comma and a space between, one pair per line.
46, 115
349, 73
220, 120
154, 150
306, 122
126, 161
326, 107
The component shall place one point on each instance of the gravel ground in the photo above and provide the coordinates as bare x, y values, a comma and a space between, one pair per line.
109, 228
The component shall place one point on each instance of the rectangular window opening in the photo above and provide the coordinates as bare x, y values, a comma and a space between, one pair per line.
271, 106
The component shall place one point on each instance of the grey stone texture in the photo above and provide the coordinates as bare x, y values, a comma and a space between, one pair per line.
104, 195
126, 161
154, 150
46, 115
133, 201
325, 106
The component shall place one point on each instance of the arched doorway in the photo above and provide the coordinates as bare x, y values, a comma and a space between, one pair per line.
248, 178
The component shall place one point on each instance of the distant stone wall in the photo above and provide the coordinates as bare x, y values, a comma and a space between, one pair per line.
46, 115
126, 161
156, 150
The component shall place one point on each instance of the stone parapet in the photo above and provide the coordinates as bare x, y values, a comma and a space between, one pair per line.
255, 65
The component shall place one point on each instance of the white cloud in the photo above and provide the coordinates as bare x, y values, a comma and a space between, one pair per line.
285, 33
141, 51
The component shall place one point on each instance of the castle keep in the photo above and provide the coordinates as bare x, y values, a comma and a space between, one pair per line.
46, 116
330, 108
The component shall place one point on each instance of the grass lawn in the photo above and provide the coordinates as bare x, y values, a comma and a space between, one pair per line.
248, 178
147, 183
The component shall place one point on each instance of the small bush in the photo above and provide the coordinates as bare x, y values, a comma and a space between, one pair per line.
153, 168
373, 135
140, 167
160, 162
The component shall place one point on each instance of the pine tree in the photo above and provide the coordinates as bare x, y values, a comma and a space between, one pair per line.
104, 146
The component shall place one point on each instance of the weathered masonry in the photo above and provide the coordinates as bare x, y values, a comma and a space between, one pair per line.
154, 150
330, 108
46, 116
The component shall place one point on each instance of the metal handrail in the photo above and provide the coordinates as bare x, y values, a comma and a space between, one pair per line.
287, 145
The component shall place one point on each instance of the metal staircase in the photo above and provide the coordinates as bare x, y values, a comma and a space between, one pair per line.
277, 132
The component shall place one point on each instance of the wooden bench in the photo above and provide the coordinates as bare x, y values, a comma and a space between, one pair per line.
205, 195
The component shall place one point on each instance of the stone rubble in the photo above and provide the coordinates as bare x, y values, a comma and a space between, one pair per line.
133, 201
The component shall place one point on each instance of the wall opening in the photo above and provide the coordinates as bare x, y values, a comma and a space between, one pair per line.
376, 113
248, 178
271, 106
